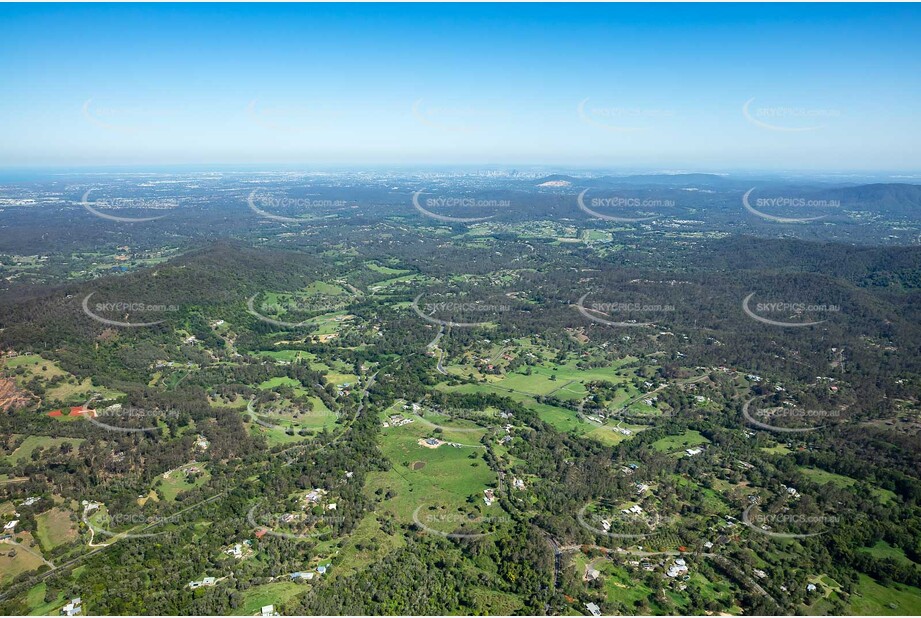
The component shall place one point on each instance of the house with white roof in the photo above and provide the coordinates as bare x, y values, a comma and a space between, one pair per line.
73, 608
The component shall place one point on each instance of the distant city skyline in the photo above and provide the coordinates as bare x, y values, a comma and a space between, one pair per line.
828, 87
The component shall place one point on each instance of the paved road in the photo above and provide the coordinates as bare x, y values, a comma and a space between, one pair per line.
441, 353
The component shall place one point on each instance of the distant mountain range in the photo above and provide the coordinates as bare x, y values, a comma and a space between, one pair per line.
898, 199
640, 180
893, 198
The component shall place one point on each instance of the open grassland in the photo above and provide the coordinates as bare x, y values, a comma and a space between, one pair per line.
174, 482
676, 444
562, 419
21, 562
55, 528
275, 593
873, 599
822, 477
446, 483
35, 601
885, 551
65, 388
283, 424
367, 545
23, 453
563, 380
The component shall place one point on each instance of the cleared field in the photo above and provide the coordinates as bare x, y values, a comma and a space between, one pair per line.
330, 323
779, 449
620, 587
341, 379
288, 355
367, 545
447, 487
560, 418
23, 561
35, 600
174, 482
822, 477
884, 551
274, 427
24, 452
385, 285
495, 603
55, 528
894, 599
281, 381
673, 444
275, 594
69, 390
565, 380
384, 270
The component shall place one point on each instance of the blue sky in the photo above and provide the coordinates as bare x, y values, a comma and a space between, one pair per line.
827, 86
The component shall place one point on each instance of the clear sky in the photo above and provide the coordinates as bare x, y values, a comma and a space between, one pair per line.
827, 86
